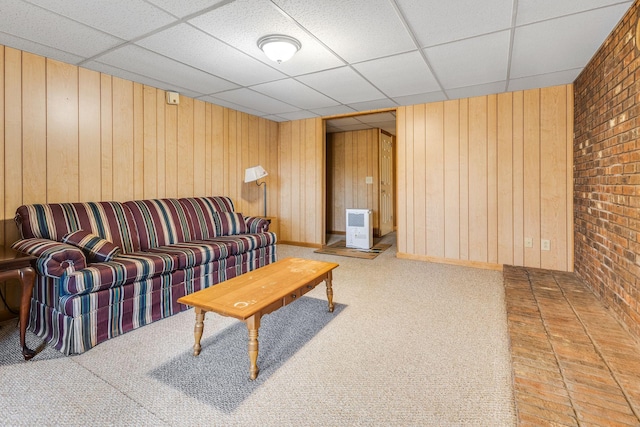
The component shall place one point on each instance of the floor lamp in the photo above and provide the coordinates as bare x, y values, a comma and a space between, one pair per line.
254, 174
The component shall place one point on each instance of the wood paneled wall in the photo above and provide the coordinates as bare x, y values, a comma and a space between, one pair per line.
351, 157
477, 176
302, 182
70, 134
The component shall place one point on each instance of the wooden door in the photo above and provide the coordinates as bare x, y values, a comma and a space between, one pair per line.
386, 184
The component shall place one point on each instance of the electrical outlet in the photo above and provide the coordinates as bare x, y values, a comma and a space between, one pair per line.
545, 245
528, 242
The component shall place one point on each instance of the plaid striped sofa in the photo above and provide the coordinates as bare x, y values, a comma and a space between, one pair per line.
105, 268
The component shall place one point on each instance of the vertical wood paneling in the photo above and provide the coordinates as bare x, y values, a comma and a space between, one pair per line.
106, 140
492, 179
34, 135
478, 180
218, 147
464, 179
402, 195
138, 141
553, 188
123, 148
199, 148
12, 140
518, 178
161, 149
301, 153
171, 150
185, 153
89, 134
434, 169
506, 166
419, 177
452, 179
150, 146
62, 132
505, 183
532, 176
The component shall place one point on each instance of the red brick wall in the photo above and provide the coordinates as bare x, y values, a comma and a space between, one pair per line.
607, 172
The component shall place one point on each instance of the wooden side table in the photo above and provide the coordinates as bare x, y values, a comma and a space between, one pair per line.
15, 265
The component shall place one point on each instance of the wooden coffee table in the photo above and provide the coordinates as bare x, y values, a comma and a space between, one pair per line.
251, 295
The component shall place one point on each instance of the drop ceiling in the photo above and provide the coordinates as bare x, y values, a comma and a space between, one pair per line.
356, 55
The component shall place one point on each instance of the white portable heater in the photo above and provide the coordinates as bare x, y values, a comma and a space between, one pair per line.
359, 228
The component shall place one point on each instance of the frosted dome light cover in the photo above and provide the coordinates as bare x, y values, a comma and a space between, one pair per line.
279, 48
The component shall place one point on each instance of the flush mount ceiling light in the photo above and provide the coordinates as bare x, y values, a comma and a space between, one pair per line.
279, 48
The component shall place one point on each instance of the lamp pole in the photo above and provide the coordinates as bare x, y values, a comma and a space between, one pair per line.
265, 195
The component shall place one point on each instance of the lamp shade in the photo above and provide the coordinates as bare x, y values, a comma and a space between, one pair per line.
279, 48
254, 173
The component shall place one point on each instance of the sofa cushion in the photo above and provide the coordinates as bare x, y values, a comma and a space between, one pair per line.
55, 259
123, 269
191, 254
229, 223
240, 244
201, 212
159, 222
111, 221
97, 248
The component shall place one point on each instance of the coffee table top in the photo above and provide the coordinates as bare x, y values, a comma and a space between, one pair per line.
249, 293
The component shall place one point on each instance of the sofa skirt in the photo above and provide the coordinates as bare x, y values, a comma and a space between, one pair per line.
75, 323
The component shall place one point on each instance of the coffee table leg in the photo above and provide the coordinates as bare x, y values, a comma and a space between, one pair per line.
329, 291
253, 324
197, 332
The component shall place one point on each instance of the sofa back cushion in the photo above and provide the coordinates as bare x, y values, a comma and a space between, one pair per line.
203, 213
111, 221
160, 222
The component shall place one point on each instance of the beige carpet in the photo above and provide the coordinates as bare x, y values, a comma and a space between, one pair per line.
340, 248
410, 344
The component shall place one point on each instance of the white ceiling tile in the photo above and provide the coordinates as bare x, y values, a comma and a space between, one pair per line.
562, 43
399, 75
275, 118
183, 8
233, 106
209, 55
127, 75
122, 18
544, 80
538, 10
295, 93
35, 24
472, 61
357, 30
298, 115
39, 49
421, 98
345, 121
436, 21
373, 105
252, 99
377, 117
479, 90
242, 22
332, 111
342, 84
142, 61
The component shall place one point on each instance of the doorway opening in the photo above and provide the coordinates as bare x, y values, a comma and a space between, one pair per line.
360, 171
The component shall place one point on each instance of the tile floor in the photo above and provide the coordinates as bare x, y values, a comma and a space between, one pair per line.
573, 363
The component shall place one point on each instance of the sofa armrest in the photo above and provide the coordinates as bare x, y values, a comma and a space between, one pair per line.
55, 259
256, 224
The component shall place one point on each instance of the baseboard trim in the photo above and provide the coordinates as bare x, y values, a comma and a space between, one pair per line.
460, 262
303, 244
